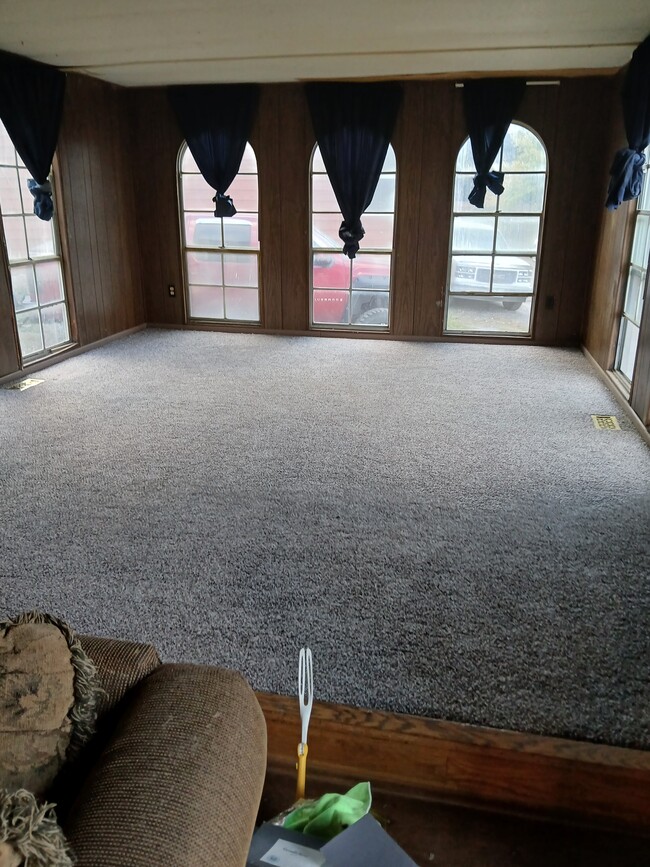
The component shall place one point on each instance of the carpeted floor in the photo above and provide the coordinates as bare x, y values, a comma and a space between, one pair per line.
440, 522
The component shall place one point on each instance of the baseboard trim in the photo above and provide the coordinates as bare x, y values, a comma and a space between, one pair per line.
67, 353
610, 381
566, 779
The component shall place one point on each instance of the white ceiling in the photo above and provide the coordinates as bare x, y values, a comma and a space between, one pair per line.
151, 42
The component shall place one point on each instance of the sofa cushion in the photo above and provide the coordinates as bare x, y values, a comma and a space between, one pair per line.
48, 698
179, 781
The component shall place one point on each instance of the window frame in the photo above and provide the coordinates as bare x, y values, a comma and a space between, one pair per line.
222, 250
497, 214
622, 317
350, 327
59, 255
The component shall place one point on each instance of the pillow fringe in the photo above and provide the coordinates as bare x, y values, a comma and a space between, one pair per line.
32, 830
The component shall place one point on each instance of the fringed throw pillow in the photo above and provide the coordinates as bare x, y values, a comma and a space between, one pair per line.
29, 833
48, 700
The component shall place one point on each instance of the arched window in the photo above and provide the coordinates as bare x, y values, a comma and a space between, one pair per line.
637, 271
494, 252
351, 293
33, 251
221, 254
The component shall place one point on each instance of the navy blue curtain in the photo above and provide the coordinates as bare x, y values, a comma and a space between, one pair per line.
216, 121
490, 105
353, 125
31, 104
627, 168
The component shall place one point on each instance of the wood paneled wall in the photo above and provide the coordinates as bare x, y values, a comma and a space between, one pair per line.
571, 118
612, 248
97, 184
609, 282
95, 198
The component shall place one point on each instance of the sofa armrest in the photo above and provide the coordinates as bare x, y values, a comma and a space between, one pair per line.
120, 666
180, 780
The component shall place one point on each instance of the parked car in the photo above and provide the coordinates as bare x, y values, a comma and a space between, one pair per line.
471, 273
330, 305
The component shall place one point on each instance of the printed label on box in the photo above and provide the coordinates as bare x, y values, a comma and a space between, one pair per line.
285, 854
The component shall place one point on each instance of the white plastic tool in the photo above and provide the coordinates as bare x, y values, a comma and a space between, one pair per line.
305, 700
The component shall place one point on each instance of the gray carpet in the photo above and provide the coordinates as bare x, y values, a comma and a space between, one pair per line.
440, 522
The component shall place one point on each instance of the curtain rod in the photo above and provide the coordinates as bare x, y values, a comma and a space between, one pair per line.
529, 83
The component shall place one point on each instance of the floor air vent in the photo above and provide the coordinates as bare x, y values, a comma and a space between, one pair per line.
605, 422
22, 384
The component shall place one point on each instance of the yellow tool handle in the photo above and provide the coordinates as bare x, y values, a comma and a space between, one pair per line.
302, 771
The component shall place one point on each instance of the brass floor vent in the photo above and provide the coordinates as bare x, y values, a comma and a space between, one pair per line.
22, 384
605, 422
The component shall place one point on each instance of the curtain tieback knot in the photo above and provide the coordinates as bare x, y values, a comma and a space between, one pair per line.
351, 232
626, 176
483, 181
43, 204
223, 206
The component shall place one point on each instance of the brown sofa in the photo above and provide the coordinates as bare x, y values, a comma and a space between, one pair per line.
175, 772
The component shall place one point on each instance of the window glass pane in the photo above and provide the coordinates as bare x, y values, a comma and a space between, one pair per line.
49, 280
627, 349
202, 231
325, 231
206, 302
239, 269
242, 304
243, 192
7, 150
40, 237
522, 151
470, 274
513, 274
10, 192
28, 199
331, 307
473, 234
188, 163
248, 163
384, 198
641, 242
23, 287
317, 164
517, 234
390, 163
204, 268
491, 314
15, 237
29, 332
370, 271
634, 293
55, 325
322, 195
241, 231
523, 194
370, 308
379, 231
463, 186
644, 198
465, 160
197, 195
331, 271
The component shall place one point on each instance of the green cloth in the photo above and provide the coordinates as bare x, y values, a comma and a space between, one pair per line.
332, 813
